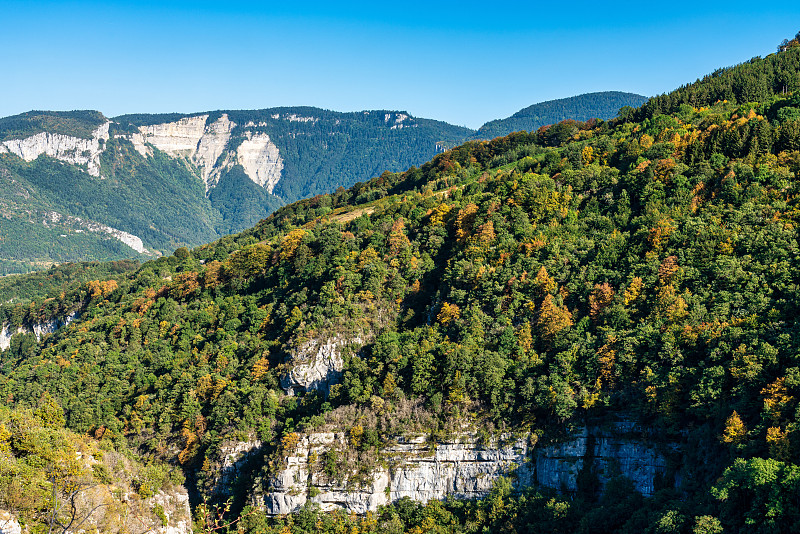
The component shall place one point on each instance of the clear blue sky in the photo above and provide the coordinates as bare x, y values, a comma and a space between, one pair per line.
462, 62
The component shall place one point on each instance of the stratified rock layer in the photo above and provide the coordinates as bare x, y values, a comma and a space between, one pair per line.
607, 452
461, 467
418, 469
203, 145
66, 148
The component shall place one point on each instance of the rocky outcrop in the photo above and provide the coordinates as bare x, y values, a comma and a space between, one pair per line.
236, 457
66, 148
81, 225
316, 365
414, 468
139, 143
9, 523
192, 139
7, 330
261, 160
177, 512
203, 145
179, 138
298, 118
211, 146
461, 467
620, 449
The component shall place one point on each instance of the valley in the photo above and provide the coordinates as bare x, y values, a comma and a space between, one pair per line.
587, 327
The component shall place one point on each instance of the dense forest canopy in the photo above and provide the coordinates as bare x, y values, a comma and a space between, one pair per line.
643, 267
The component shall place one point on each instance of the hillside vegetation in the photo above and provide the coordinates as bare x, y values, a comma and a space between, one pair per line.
48, 207
76, 123
644, 267
161, 199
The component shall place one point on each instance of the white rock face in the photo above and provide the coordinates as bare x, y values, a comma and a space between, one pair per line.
261, 160
64, 148
51, 326
317, 365
6, 332
417, 469
460, 467
176, 508
9, 523
134, 242
40, 329
178, 139
203, 144
298, 118
618, 450
235, 457
210, 147
140, 145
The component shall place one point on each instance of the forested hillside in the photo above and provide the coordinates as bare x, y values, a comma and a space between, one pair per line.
604, 105
323, 150
77, 123
76, 178
643, 269
77, 186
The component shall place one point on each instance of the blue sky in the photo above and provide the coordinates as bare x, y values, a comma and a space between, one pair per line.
462, 62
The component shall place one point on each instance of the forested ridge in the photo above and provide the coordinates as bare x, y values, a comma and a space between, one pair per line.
76, 123
161, 200
644, 267
603, 105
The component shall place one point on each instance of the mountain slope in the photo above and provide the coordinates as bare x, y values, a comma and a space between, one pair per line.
162, 181
604, 105
80, 186
627, 285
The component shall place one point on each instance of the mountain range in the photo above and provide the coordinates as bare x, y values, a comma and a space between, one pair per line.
591, 327
80, 186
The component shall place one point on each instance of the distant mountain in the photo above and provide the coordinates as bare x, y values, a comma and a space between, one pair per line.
79, 186
587, 328
604, 105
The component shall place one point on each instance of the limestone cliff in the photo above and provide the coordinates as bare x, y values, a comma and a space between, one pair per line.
618, 449
462, 466
68, 149
203, 145
178, 139
261, 160
415, 468
211, 146
236, 458
315, 365
7, 331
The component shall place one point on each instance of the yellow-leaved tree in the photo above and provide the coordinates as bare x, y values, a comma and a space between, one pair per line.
553, 318
735, 430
